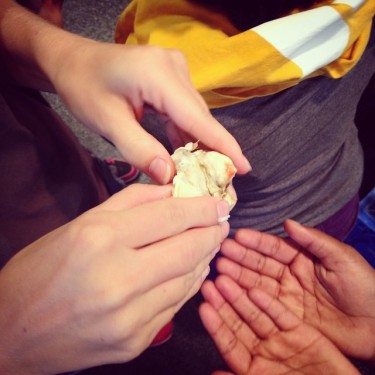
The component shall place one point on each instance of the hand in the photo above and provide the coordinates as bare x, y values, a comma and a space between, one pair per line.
325, 282
98, 289
256, 334
107, 87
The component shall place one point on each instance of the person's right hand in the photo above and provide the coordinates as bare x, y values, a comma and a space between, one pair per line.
109, 86
98, 289
326, 283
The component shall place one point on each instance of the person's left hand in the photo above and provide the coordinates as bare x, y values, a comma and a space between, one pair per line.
257, 334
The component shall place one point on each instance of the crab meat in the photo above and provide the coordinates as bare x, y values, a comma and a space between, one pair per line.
201, 173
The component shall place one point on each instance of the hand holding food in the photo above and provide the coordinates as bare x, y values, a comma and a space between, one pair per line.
98, 289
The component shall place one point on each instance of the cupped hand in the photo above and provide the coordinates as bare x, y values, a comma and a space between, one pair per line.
256, 334
107, 87
325, 282
98, 289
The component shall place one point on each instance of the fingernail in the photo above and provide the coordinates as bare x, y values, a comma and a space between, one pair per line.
214, 252
222, 211
248, 163
160, 170
225, 229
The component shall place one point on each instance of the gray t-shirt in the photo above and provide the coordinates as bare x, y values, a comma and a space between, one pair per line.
303, 146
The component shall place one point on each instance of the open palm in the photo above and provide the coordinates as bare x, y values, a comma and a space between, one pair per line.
256, 334
324, 282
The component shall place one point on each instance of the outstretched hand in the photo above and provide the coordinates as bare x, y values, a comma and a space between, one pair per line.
257, 334
323, 281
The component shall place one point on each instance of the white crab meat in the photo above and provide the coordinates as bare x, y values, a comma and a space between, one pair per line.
201, 173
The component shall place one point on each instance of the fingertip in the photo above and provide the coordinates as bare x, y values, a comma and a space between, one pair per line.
225, 285
245, 166
245, 236
257, 295
161, 171
313, 240
206, 287
209, 317
290, 224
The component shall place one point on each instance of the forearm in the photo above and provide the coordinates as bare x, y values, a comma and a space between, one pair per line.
30, 46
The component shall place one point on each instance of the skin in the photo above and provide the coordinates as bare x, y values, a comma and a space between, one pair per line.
326, 283
107, 86
76, 298
257, 334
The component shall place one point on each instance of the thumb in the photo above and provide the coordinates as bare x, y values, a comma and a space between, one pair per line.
141, 149
327, 249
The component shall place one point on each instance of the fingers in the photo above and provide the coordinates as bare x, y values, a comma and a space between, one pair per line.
247, 278
267, 244
251, 316
327, 249
261, 325
283, 318
179, 255
138, 147
165, 218
204, 127
134, 195
234, 353
193, 117
284, 342
162, 301
224, 327
248, 260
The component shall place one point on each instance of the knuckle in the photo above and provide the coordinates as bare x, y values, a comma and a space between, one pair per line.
175, 212
178, 56
261, 262
253, 315
276, 246
89, 232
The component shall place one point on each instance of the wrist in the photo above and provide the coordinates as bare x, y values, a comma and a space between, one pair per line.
19, 28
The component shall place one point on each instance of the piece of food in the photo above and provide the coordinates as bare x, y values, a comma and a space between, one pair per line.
201, 173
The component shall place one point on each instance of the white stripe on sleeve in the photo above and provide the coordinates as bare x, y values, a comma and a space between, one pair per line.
311, 39
355, 4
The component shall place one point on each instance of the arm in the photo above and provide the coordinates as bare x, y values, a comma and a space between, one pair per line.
325, 282
106, 86
99, 288
19, 31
